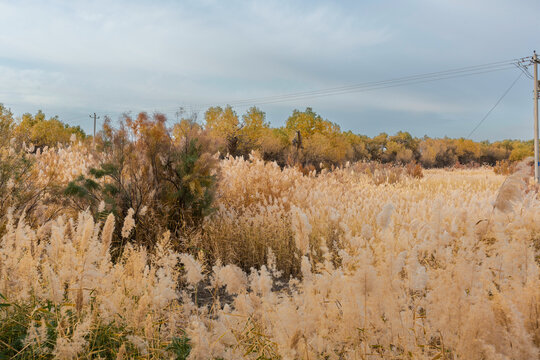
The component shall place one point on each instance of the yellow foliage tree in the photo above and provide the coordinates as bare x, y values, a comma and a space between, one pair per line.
309, 122
330, 149
520, 151
222, 122
7, 123
467, 150
254, 129
40, 132
437, 153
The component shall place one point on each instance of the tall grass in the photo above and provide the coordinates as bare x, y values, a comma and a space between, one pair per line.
335, 265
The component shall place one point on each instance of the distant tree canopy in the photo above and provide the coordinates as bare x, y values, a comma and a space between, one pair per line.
322, 142
310, 123
39, 131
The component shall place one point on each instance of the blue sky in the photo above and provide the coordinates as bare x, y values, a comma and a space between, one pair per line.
71, 58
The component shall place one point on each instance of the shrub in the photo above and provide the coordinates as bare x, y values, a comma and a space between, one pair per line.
504, 167
414, 170
166, 182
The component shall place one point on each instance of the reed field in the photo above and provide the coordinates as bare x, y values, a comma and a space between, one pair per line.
361, 261
269, 180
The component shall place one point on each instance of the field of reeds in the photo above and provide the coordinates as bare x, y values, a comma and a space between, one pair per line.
363, 261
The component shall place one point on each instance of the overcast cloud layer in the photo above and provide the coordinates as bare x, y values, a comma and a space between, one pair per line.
70, 58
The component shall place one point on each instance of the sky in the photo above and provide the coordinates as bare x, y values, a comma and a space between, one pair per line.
74, 58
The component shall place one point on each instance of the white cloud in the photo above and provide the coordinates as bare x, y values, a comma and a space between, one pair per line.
136, 54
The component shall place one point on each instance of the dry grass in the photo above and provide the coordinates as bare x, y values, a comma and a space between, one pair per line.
363, 262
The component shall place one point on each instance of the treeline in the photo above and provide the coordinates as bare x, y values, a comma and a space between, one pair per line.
306, 139
37, 129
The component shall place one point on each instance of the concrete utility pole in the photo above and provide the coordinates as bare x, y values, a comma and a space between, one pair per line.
94, 137
536, 86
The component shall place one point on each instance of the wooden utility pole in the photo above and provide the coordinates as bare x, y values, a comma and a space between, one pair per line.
536, 86
297, 143
94, 137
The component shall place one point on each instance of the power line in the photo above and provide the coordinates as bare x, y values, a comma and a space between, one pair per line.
521, 63
524, 70
368, 86
497, 103
366, 89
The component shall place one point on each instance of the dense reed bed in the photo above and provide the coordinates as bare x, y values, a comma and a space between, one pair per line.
349, 263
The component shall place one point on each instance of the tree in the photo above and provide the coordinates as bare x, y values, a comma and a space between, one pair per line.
309, 122
358, 145
329, 149
168, 181
7, 123
401, 148
221, 122
467, 151
274, 143
254, 127
521, 150
437, 153
41, 132
377, 146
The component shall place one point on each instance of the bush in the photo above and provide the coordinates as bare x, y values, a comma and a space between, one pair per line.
504, 167
414, 170
161, 182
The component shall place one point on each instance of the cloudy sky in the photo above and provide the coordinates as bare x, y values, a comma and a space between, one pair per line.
72, 58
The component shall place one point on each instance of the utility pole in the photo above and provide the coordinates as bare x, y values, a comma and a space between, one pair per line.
536, 86
94, 137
